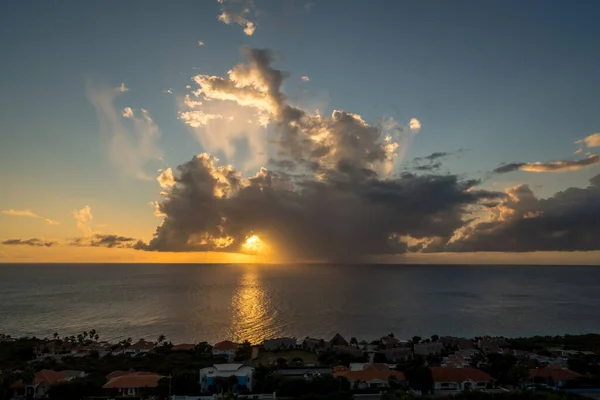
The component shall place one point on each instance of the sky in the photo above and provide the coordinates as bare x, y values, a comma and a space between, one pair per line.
288, 131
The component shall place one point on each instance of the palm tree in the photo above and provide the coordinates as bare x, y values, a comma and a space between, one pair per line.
7, 378
55, 336
85, 334
353, 341
92, 334
80, 338
96, 337
161, 339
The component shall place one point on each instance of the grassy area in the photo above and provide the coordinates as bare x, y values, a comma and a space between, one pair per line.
264, 356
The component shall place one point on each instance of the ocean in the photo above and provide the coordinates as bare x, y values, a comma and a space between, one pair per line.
192, 303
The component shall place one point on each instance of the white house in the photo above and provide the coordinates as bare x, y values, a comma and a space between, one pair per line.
244, 375
458, 379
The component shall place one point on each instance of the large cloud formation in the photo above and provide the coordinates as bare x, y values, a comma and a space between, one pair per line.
328, 192
567, 221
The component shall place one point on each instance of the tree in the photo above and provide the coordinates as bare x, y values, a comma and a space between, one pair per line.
420, 378
391, 334
55, 336
80, 338
435, 338
353, 341
281, 362
161, 339
517, 374
416, 339
93, 334
7, 378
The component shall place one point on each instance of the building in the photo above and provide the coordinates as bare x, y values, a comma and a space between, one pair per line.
389, 341
425, 349
458, 379
225, 348
304, 373
353, 351
43, 380
184, 347
338, 340
140, 347
397, 354
133, 383
372, 375
208, 376
279, 343
313, 344
554, 376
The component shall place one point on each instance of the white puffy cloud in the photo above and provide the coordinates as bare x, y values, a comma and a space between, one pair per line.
238, 12
592, 140
127, 112
415, 125
83, 218
200, 43
305, 78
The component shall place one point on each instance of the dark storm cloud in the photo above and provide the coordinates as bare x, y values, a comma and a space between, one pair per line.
567, 221
110, 241
34, 242
553, 166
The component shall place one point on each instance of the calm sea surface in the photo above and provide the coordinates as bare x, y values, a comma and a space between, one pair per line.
215, 302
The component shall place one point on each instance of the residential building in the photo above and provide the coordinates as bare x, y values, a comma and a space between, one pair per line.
457, 379
305, 373
313, 344
225, 348
487, 342
553, 375
244, 375
372, 375
353, 351
184, 347
140, 347
338, 340
425, 349
397, 354
133, 383
43, 380
389, 341
460, 342
370, 367
279, 343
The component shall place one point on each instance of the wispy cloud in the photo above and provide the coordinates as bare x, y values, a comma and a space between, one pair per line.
552, 166
34, 242
238, 12
110, 241
200, 43
29, 214
305, 78
132, 144
168, 91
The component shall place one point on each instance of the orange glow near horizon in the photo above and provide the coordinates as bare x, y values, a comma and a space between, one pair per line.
254, 245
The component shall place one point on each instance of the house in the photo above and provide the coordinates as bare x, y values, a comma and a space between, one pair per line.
184, 347
397, 354
457, 379
487, 342
372, 375
225, 348
304, 373
208, 376
370, 366
389, 341
141, 347
426, 349
313, 344
338, 340
133, 383
353, 351
553, 375
44, 379
279, 343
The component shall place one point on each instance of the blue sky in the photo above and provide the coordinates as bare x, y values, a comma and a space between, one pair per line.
507, 81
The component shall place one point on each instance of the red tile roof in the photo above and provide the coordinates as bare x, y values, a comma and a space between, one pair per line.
47, 377
115, 374
135, 380
226, 345
449, 374
375, 367
554, 373
142, 345
340, 368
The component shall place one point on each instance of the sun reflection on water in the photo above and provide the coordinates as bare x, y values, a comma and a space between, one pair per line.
253, 314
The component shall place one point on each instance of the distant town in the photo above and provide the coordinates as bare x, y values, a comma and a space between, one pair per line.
86, 367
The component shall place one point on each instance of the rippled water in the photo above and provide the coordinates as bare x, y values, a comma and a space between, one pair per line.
214, 302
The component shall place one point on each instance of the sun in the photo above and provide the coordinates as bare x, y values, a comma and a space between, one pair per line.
253, 244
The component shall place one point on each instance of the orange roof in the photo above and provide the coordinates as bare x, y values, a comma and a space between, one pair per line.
368, 376
47, 377
226, 345
375, 367
449, 374
340, 368
134, 380
554, 373
184, 347
114, 374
